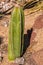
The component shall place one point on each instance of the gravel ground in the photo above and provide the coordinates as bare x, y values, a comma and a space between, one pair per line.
33, 33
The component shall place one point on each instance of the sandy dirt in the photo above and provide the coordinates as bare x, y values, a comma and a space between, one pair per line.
34, 53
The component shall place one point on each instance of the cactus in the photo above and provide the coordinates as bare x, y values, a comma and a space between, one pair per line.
16, 35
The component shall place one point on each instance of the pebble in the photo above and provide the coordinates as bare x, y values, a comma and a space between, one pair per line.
19, 60
5, 24
6, 7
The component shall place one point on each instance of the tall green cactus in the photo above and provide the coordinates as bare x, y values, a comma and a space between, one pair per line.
16, 33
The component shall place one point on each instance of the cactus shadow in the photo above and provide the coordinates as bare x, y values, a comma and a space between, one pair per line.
27, 38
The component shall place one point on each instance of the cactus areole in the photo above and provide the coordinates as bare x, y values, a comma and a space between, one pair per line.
16, 33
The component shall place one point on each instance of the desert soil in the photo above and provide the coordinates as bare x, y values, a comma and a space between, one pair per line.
34, 53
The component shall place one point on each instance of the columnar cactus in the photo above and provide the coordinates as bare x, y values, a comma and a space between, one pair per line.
16, 33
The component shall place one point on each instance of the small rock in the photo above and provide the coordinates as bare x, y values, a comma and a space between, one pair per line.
5, 7
19, 60
5, 24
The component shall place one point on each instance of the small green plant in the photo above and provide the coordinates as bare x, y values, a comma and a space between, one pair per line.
16, 33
